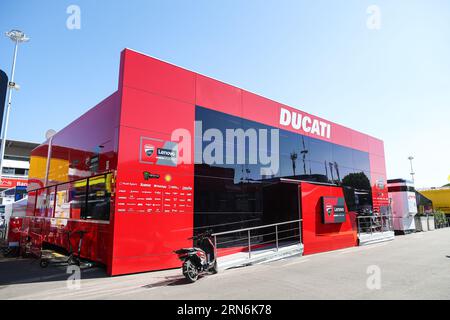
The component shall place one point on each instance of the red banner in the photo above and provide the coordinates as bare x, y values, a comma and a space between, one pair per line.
12, 182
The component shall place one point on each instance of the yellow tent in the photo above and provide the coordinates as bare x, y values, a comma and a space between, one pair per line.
440, 198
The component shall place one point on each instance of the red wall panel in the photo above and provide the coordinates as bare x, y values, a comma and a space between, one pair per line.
152, 75
259, 109
376, 146
218, 96
360, 141
155, 113
319, 237
153, 217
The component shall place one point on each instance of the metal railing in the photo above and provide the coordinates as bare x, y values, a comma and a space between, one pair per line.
261, 237
374, 223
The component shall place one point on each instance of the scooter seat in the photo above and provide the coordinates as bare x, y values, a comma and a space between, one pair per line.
186, 250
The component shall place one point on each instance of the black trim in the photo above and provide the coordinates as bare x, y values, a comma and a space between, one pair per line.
399, 181
401, 189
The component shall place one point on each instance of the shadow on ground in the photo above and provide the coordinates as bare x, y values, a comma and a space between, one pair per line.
171, 281
21, 270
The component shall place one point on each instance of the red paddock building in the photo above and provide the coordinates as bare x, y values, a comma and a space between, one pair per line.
155, 162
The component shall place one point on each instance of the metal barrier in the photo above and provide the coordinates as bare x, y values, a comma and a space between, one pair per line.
374, 223
256, 238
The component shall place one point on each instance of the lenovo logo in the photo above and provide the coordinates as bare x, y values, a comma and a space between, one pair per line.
305, 123
166, 153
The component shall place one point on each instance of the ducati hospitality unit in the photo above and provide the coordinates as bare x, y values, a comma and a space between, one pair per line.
172, 154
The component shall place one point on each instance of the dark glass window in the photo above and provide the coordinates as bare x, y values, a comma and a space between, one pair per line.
319, 150
77, 198
216, 120
357, 180
224, 204
360, 160
8, 171
294, 155
235, 196
357, 191
19, 158
216, 162
343, 172
293, 167
320, 171
342, 156
290, 143
357, 200
98, 198
20, 171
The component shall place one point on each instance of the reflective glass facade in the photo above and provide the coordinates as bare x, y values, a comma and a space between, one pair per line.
235, 195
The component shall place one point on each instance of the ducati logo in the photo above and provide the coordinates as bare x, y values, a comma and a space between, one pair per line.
149, 150
380, 184
329, 210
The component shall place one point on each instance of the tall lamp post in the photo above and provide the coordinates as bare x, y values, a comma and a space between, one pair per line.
411, 158
17, 37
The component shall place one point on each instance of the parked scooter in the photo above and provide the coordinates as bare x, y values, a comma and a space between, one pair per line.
74, 258
200, 259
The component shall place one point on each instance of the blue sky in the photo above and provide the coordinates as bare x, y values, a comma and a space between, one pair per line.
318, 56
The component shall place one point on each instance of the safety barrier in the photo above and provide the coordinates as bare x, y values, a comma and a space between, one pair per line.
374, 223
375, 228
255, 244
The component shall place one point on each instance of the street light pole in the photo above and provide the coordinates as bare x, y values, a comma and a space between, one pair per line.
18, 37
411, 158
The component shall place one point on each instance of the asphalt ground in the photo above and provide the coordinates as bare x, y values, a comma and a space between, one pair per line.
415, 266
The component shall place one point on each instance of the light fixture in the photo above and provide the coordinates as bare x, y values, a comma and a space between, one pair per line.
17, 36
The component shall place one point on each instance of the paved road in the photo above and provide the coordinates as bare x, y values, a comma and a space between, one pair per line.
416, 266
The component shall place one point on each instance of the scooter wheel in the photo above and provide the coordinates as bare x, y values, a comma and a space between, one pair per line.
43, 263
190, 271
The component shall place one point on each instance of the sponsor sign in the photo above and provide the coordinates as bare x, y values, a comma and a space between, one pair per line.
149, 149
333, 210
11, 182
159, 152
148, 175
380, 184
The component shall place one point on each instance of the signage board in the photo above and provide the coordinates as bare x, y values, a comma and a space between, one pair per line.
333, 210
